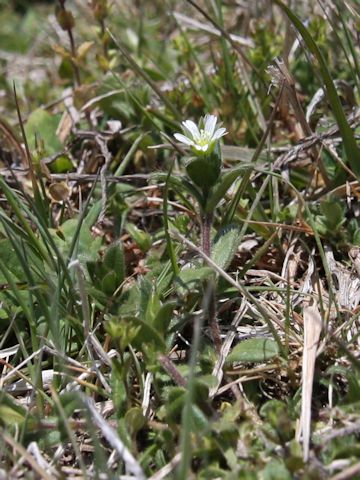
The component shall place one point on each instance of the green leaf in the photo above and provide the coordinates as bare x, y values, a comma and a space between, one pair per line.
225, 182
195, 274
277, 415
225, 245
145, 290
62, 164
356, 237
87, 246
142, 238
175, 404
146, 335
122, 329
134, 420
109, 283
93, 214
129, 304
334, 213
163, 317
42, 126
10, 259
191, 277
11, 413
118, 389
276, 470
114, 261
254, 350
350, 145
202, 172
153, 306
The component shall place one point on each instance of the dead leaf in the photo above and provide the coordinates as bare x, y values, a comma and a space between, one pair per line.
59, 191
312, 330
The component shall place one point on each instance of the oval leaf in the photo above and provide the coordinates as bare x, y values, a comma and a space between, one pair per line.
254, 350
225, 245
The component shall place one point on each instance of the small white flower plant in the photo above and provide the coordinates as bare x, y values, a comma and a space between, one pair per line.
203, 166
208, 185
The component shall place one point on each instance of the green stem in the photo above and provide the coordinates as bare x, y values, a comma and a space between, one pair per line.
169, 244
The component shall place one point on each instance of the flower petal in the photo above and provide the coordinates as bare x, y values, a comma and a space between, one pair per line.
220, 132
210, 124
192, 128
181, 138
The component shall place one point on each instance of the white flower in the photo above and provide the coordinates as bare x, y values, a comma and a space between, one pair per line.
201, 138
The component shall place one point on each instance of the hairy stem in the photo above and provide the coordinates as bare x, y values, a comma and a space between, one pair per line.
206, 223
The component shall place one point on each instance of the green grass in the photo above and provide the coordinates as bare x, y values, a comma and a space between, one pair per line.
110, 294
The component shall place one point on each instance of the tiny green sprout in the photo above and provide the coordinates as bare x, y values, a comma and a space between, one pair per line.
202, 139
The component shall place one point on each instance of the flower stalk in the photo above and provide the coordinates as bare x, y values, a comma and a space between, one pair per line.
204, 170
210, 285
206, 224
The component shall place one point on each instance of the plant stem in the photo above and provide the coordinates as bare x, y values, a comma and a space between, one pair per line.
206, 224
72, 49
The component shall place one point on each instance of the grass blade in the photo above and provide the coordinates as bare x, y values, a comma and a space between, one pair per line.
350, 145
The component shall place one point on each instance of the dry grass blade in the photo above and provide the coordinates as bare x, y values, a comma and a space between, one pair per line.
167, 469
12, 139
27, 149
225, 349
112, 437
312, 330
341, 432
348, 473
27, 456
154, 284
243, 59
196, 25
9, 352
267, 315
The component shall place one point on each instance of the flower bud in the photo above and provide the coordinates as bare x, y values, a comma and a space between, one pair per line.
65, 18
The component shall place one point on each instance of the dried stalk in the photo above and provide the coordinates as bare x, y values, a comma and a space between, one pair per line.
312, 331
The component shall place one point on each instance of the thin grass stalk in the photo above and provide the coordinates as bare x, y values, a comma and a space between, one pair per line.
169, 244
187, 416
71, 435
312, 331
351, 148
254, 206
31, 320
243, 60
287, 316
209, 88
14, 204
258, 254
226, 53
355, 67
144, 75
17, 447
241, 288
129, 155
229, 215
332, 297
